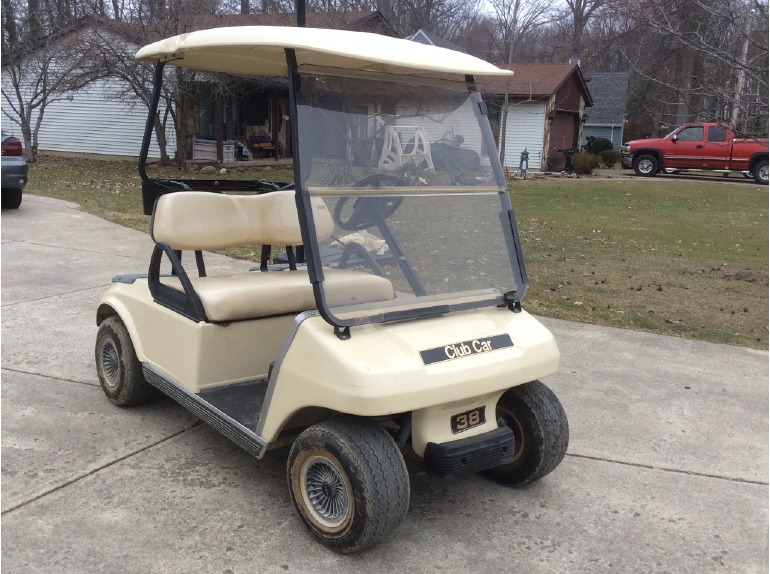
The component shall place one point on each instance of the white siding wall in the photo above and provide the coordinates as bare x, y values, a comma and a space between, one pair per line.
525, 128
94, 121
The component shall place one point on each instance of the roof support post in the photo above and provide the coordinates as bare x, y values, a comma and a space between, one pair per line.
153, 111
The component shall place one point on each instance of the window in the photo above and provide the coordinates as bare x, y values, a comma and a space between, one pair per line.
691, 134
717, 134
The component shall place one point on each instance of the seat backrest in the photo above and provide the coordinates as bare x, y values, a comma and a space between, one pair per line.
196, 220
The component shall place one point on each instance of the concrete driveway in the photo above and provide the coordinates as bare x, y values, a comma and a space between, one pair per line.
667, 469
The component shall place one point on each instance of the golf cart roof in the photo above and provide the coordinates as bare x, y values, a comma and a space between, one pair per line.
260, 50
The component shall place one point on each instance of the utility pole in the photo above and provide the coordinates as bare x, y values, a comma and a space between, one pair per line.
504, 114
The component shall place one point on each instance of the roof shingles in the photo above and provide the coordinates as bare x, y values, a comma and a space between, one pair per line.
610, 95
532, 80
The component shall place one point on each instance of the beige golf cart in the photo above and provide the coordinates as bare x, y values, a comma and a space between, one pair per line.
382, 329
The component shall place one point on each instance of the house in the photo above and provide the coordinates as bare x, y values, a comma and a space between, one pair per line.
425, 37
97, 118
546, 106
259, 106
607, 116
105, 117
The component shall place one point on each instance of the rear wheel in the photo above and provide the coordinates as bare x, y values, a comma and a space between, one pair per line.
348, 482
760, 172
119, 370
646, 165
541, 434
11, 198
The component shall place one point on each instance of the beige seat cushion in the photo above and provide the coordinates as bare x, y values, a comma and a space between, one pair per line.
192, 220
256, 294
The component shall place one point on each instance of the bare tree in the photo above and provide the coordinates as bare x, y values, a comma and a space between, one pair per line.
715, 54
580, 13
515, 19
39, 72
444, 18
135, 80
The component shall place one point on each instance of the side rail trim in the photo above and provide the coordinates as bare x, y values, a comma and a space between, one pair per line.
232, 429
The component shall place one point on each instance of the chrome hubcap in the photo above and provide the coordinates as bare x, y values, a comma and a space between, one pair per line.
325, 490
645, 166
110, 363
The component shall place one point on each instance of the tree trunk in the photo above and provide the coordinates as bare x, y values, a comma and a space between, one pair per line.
9, 25
683, 104
160, 137
384, 7
739, 82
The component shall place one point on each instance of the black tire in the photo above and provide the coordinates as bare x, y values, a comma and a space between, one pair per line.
760, 172
646, 165
541, 434
120, 372
11, 198
348, 482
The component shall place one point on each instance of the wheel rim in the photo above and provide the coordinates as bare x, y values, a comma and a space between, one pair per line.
110, 364
326, 493
645, 166
763, 173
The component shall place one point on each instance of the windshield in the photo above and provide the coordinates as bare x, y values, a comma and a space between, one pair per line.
408, 173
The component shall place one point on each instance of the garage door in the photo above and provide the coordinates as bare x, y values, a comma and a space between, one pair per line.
525, 129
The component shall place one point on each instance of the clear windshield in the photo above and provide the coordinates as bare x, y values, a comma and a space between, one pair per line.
414, 195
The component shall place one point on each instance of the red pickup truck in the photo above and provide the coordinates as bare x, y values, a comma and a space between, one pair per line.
698, 147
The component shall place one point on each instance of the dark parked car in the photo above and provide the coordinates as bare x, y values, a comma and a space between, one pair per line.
14, 168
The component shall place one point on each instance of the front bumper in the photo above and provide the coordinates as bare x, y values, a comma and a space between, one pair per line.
626, 161
472, 454
14, 172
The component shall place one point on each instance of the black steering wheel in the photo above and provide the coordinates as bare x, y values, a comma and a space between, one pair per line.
368, 210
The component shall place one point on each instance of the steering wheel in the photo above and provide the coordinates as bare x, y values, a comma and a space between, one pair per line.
368, 210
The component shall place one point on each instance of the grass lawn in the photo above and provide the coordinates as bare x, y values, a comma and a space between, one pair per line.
684, 257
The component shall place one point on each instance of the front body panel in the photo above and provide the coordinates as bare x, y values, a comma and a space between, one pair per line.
379, 371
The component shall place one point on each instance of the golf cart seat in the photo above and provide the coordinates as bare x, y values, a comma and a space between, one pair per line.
201, 221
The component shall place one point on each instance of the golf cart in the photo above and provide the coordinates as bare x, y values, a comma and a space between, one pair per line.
389, 337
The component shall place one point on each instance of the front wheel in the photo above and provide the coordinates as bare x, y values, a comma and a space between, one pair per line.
348, 482
541, 434
646, 165
760, 172
119, 370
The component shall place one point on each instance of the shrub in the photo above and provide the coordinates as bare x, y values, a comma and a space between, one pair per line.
585, 163
600, 144
610, 157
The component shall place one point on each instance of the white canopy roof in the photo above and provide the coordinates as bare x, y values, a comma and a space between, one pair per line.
259, 50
